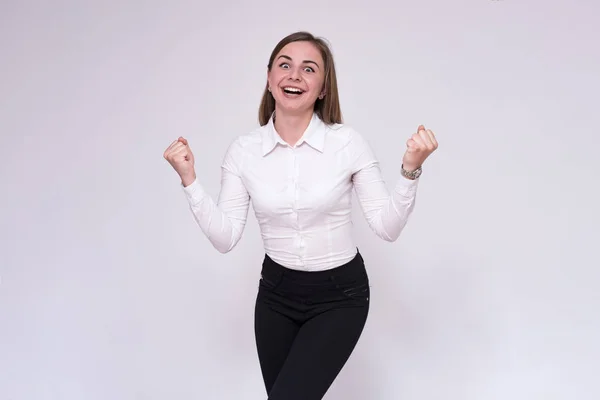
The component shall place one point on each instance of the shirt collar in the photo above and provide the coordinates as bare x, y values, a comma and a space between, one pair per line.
314, 136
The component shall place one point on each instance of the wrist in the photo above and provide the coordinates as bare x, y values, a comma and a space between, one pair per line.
187, 180
410, 171
410, 167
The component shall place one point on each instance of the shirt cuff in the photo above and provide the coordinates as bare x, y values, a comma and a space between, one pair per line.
194, 192
407, 187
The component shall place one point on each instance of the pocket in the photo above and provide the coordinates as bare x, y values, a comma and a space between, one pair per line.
354, 286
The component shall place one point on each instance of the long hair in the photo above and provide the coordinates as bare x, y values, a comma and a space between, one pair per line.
328, 108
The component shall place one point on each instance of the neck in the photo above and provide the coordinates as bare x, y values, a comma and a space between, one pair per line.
291, 127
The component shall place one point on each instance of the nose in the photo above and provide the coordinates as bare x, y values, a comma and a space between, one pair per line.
295, 74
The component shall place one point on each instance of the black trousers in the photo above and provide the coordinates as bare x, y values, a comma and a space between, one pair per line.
307, 324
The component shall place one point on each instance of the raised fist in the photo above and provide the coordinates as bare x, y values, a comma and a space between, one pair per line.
419, 147
181, 158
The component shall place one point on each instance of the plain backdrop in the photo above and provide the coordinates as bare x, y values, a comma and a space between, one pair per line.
108, 289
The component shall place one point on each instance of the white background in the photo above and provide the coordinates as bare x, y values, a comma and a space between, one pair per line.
110, 291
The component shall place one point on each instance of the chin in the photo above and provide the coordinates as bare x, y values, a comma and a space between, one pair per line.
295, 110
295, 105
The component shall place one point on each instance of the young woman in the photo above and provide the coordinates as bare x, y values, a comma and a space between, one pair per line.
299, 169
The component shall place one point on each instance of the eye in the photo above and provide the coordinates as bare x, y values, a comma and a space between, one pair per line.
309, 69
284, 65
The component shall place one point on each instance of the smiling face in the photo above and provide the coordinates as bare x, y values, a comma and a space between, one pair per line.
296, 78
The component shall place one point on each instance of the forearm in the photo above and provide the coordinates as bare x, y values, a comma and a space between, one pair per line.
386, 212
223, 222
392, 216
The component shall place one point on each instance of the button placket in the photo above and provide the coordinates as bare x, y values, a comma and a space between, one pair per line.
296, 175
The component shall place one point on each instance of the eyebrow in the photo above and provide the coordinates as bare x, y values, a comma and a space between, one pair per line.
305, 61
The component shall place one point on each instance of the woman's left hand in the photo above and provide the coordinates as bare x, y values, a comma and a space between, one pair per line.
419, 147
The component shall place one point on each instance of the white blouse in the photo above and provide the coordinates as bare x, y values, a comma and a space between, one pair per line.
302, 195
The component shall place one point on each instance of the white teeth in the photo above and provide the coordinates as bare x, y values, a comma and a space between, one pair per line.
291, 89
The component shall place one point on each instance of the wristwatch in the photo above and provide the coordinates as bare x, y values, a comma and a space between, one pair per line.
411, 174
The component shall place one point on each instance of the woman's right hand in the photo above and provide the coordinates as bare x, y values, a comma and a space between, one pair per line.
181, 158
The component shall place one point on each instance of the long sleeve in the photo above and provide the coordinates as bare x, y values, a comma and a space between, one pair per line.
222, 222
386, 213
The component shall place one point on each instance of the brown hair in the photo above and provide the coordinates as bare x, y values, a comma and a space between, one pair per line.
328, 108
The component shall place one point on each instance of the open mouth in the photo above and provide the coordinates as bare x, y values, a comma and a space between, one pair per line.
292, 91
